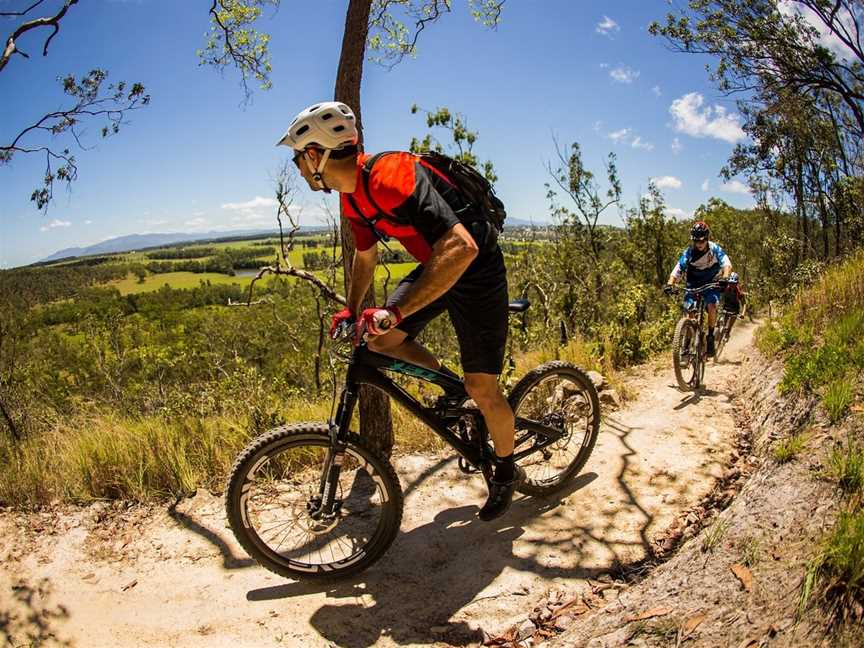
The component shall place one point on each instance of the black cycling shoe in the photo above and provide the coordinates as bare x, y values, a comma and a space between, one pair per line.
710, 346
501, 496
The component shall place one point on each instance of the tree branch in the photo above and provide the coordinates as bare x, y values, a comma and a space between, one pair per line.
53, 21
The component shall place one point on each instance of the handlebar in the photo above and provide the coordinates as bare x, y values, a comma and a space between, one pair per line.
721, 283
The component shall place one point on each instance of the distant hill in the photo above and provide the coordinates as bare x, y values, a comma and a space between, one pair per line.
144, 241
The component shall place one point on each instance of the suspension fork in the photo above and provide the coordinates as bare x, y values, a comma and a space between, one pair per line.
326, 505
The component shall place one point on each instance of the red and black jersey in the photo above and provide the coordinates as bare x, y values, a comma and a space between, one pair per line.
416, 201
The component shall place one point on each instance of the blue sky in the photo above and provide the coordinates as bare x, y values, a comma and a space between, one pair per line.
196, 160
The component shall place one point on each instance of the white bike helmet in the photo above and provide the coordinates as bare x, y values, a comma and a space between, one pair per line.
331, 125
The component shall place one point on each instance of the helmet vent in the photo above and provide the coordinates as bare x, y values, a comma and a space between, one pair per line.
313, 108
302, 129
326, 116
338, 129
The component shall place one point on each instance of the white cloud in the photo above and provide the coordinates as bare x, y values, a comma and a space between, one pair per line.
736, 186
607, 26
624, 74
666, 182
691, 119
88, 222
255, 203
196, 222
677, 213
598, 126
676, 146
626, 135
637, 143
55, 224
257, 210
657, 91
619, 135
705, 185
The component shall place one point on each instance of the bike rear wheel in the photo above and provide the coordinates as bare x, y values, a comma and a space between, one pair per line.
273, 504
685, 355
562, 396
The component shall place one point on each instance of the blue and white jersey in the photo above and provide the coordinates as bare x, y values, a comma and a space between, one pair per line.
701, 267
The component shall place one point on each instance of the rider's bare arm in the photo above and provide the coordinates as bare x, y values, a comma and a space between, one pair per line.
362, 272
451, 256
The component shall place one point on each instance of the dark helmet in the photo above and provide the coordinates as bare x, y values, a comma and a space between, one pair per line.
700, 231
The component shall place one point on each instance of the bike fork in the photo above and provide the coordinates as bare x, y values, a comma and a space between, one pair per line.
325, 504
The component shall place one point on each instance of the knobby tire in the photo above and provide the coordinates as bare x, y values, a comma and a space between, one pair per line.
533, 381
311, 438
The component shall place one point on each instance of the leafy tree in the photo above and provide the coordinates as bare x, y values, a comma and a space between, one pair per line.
803, 102
463, 140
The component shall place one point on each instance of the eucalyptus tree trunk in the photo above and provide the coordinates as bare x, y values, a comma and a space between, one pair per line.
376, 423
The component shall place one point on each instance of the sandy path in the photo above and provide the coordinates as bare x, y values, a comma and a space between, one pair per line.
144, 578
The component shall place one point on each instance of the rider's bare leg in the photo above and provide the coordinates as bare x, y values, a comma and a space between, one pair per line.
712, 315
483, 388
397, 345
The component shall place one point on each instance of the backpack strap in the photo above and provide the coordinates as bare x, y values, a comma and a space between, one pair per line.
367, 174
369, 222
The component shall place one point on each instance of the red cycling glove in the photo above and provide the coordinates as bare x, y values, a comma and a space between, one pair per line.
344, 315
379, 320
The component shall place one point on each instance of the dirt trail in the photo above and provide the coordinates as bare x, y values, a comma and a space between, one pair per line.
98, 577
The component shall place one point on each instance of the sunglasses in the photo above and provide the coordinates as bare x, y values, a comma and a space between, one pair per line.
296, 158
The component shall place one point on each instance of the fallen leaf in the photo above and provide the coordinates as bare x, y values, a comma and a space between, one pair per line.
748, 643
743, 574
650, 614
693, 622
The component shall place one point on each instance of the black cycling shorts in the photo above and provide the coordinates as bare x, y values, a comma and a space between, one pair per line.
477, 304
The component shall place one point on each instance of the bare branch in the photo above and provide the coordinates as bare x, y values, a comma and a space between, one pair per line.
22, 13
52, 21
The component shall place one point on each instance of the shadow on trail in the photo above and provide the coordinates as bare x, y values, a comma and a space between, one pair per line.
698, 395
31, 619
433, 572
229, 560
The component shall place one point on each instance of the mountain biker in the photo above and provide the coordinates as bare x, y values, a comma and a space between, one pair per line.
702, 262
461, 267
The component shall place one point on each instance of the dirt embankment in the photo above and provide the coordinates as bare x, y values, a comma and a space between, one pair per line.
108, 575
736, 579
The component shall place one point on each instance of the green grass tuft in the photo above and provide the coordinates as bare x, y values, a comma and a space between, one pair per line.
846, 465
836, 573
787, 449
715, 534
838, 396
751, 551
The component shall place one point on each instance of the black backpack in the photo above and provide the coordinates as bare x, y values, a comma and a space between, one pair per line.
475, 189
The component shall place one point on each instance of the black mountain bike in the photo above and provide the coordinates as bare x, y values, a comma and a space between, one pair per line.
315, 501
689, 344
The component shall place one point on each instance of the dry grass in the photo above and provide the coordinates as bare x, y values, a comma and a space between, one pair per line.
106, 456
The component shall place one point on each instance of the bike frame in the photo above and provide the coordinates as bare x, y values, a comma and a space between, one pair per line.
366, 367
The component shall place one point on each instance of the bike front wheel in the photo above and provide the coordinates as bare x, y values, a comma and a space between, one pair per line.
685, 354
273, 501
561, 396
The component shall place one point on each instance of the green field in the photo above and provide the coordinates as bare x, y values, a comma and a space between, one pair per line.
179, 280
